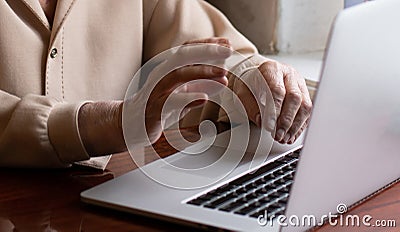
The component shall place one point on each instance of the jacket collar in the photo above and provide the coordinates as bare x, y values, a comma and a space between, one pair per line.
37, 10
62, 10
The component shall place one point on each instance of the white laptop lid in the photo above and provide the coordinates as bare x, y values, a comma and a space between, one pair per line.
353, 143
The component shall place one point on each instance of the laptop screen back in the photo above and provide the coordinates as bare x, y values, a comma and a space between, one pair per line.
351, 148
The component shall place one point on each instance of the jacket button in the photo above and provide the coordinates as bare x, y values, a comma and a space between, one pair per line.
53, 53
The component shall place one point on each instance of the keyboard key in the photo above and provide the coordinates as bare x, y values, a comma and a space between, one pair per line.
262, 191
279, 172
196, 202
276, 213
280, 181
224, 188
232, 206
283, 190
293, 165
232, 195
241, 180
289, 183
260, 181
258, 213
245, 198
287, 168
282, 205
286, 159
288, 177
256, 206
284, 200
275, 195
272, 208
270, 186
213, 192
206, 197
215, 203
265, 199
295, 154
270, 176
273, 185
251, 185
245, 210
252, 195
297, 151
241, 190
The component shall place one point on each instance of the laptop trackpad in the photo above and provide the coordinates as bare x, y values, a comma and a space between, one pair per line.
187, 171
202, 165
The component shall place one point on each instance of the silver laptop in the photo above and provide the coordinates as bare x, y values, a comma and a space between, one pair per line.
351, 149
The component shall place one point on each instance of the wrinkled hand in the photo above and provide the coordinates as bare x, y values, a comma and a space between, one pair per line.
174, 88
291, 101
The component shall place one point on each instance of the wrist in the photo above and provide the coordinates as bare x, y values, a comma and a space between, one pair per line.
100, 126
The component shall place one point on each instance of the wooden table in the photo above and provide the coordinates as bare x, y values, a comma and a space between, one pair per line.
48, 200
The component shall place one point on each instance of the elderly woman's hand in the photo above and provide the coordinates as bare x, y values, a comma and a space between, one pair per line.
288, 115
166, 99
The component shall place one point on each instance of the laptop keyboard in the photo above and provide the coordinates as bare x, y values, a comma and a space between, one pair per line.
267, 189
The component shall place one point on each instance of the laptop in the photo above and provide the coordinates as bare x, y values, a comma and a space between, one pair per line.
350, 151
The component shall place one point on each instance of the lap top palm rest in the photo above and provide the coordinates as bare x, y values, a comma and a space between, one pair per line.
350, 151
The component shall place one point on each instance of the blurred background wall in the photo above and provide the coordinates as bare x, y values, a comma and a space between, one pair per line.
286, 26
256, 19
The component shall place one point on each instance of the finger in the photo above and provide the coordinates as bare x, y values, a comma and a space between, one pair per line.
298, 122
255, 95
178, 101
166, 105
177, 105
307, 102
273, 75
211, 87
191, 73
291, 105
299, 133
220, 41
302, 116
214, 40
202, 52
304, 90
305, 109
249, 102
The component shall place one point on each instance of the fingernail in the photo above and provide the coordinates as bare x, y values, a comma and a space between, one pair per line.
258, 120
279, 135
223, 41
271, 124
287, 138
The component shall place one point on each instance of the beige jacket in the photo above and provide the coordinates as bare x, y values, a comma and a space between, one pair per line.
91, 53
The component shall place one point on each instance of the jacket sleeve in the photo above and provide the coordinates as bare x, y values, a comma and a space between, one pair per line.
174, 22
38, 131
